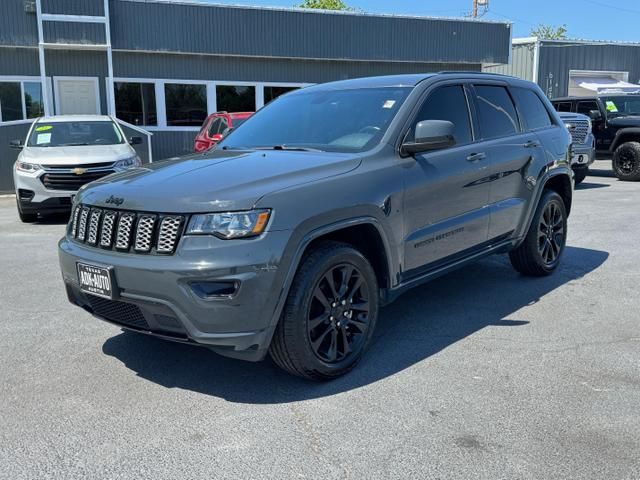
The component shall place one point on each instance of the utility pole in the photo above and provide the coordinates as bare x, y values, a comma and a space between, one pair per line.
474, 14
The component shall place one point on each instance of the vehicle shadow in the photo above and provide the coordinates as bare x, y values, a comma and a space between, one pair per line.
591, 186
419, 324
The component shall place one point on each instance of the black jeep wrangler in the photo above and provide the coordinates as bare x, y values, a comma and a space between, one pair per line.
616, 127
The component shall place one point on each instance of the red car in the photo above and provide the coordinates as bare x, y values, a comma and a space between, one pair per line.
214, 127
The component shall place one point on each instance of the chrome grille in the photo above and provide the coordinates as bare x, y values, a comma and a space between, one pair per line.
123, 237
168, 236
126, 231
579, 130
106, 235
82, 226
74, 219
94, 223
144, 233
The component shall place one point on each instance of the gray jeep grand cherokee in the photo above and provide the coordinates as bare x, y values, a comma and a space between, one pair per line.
323, 206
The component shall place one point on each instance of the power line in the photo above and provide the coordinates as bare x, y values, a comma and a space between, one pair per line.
614, 7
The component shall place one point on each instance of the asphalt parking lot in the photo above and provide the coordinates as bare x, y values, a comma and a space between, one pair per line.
480, 374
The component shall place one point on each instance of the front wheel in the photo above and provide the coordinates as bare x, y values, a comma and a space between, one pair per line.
540, 252
26, 217
626, 161
330, 314
580, 175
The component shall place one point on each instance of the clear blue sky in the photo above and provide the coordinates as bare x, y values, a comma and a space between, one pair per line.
588, 19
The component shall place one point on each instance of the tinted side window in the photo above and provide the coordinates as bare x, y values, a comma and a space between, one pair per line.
585, 107
447, 103
534, 113
214, 128
496, 112
562, 106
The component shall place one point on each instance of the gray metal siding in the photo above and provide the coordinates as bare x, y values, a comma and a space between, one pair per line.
8, 155
229, 30
74, 7
200, 67
557, 59
521, 63
17, 27
72, 63
172, 144
19, 61
74, 32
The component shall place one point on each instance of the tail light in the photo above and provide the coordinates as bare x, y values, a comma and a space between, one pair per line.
201, 146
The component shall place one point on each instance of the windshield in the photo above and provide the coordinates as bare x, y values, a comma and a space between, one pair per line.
64, 134
329, 120
622, 105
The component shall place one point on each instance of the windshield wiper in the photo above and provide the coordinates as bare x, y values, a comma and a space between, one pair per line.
288, 148
72, 144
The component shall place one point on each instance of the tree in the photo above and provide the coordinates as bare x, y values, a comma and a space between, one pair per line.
325, 5
550, 32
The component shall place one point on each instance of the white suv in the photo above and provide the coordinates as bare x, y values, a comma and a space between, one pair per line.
63, 153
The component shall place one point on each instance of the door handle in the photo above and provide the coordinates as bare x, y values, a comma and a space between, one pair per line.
474, 157
532, 144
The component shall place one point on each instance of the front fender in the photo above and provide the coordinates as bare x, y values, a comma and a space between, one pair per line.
621, 137
313, 229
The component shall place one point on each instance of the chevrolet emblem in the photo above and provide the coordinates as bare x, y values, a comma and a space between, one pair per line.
79, 171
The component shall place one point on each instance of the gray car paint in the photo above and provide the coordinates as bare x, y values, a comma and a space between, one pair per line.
408, 201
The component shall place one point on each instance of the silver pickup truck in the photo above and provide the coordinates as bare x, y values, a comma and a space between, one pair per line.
583, 146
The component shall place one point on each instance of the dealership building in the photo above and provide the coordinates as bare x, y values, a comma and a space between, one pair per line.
574, 67
161, 66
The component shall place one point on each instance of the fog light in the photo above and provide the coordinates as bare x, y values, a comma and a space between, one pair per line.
213, 290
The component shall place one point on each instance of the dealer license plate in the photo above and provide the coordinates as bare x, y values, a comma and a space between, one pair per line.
95, 280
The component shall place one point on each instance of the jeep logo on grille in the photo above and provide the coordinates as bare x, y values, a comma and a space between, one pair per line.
115, 200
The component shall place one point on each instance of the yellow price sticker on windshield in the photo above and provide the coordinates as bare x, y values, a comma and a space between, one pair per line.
44, 128
611, 107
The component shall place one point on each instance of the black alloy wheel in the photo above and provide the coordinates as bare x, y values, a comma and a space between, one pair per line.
551, 233
338, 316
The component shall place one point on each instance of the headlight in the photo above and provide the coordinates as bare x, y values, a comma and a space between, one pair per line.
27, 167
229, 225
127, 163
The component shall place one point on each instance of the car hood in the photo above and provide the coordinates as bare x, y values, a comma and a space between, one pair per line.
78, 155
628, 121
214, 181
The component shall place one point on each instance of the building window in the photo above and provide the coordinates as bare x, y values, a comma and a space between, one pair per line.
186, 104
136, 103
232, 98
271, 93
14, 106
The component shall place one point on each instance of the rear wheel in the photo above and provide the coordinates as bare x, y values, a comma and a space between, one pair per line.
540, 252
329, 316
626, 161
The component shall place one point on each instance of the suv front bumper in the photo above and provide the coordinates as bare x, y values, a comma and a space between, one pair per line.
583, 155
33, 197
155, 294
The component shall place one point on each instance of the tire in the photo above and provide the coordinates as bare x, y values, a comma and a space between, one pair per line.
580, 175
626, 161
313, 333
540, 252
27, 217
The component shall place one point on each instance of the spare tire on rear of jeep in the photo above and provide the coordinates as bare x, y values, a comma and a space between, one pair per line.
626, 161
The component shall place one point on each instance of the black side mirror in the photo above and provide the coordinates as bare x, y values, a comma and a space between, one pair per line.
135, 140
595, 115
16, 144
431, 135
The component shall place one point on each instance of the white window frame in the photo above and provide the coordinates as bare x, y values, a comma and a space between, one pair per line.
161, 107
95, 80
21, 79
